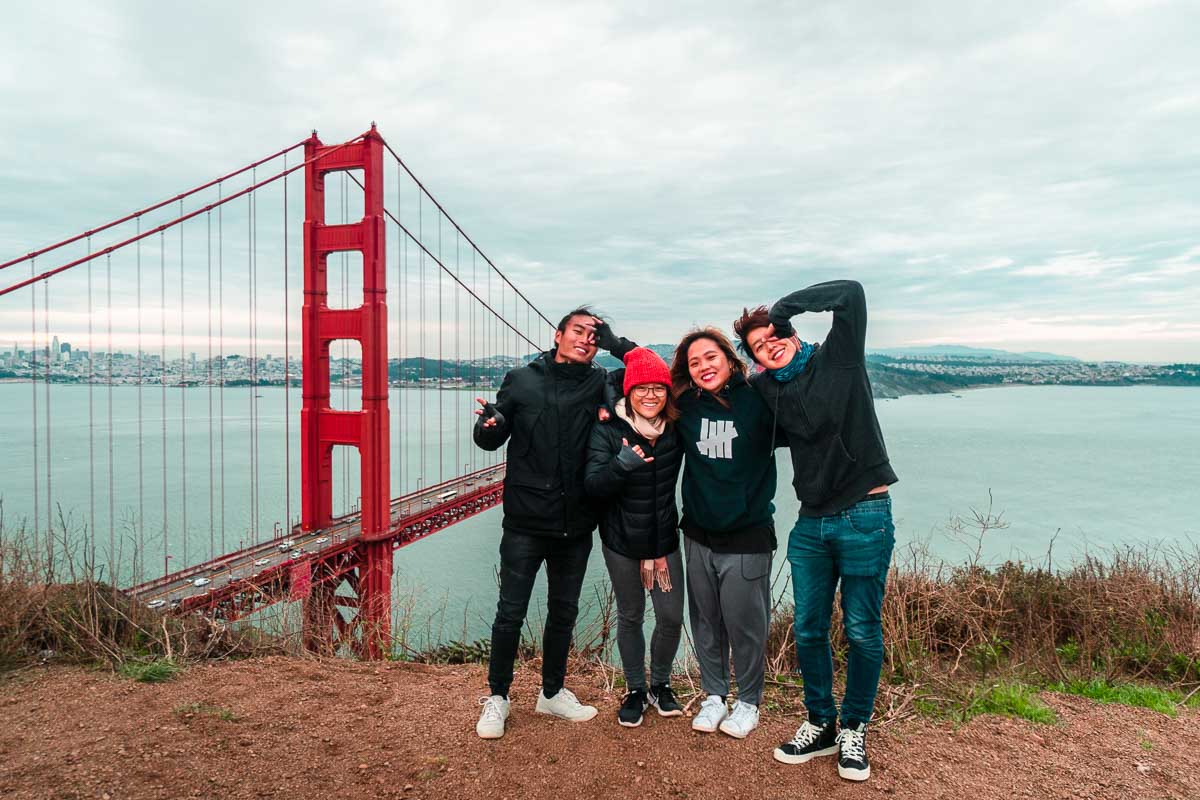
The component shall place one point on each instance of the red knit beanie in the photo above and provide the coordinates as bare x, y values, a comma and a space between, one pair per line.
643, 365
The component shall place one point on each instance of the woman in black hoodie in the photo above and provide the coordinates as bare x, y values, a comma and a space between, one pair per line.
633, 463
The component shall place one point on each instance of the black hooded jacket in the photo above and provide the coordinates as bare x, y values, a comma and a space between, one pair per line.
639, 518
548, 411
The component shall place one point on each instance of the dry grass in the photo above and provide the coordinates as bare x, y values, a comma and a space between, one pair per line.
951, 631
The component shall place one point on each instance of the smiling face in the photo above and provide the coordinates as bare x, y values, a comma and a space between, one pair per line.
576, 342
708, 365
769, 351
648, 399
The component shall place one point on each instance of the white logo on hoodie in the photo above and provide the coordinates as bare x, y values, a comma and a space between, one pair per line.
716, 438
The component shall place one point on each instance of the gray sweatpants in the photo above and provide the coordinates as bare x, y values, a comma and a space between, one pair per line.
625, 575
729, 605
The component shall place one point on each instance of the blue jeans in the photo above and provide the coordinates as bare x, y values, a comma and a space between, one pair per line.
855, 547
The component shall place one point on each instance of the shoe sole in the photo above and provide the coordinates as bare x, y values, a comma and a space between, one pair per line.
736, 735
702, 729
676, 713
625, 724
489, 735
785, 758
854, 774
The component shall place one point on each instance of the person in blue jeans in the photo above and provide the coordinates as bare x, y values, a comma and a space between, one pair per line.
821, 395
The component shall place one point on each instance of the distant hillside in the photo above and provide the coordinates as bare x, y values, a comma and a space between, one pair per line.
962, 351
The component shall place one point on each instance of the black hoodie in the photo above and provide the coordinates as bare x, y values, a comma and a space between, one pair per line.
828, 411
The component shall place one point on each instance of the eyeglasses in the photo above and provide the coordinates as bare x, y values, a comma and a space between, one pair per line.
649, 391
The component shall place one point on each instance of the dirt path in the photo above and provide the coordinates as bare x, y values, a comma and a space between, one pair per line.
284, 728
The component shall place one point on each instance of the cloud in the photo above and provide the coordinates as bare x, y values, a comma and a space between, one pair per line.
670, 167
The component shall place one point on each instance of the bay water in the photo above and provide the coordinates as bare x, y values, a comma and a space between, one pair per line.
1079, 469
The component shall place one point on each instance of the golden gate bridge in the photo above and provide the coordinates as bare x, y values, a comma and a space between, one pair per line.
211, 268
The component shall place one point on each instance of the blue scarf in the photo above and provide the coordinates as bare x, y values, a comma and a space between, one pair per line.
797, 365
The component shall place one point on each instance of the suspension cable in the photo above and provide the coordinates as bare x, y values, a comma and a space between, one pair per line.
427, 193
112, 248
136, 214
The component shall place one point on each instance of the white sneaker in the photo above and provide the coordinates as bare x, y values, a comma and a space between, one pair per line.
743, 720
564, 705
712, 713
491, 719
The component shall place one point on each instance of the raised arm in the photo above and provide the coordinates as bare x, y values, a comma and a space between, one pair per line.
606, 339
847, 337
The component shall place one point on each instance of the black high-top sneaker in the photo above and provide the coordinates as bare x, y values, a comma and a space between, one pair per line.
662, 698
852, 753
809, 742
635, 703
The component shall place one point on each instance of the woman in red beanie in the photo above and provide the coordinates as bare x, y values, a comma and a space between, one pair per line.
633, 462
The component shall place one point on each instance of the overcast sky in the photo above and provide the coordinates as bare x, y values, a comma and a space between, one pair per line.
1015, 175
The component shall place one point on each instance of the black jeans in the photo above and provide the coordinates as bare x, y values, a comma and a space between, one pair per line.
521, 556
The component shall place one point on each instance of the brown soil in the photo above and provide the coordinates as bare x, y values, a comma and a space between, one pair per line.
293, 728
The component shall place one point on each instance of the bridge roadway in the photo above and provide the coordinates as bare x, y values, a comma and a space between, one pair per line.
266, 568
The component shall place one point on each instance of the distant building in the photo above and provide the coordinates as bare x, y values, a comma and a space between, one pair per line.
55, 351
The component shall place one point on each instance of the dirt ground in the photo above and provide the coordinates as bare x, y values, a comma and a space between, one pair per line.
293, 728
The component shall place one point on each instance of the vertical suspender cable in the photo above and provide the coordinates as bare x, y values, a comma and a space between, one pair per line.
112, 516
91, 408
458, 362
221, 350
183, 482
251, 530
254, 356
141, 521
421, 328
49, 457
402, 292
208, 380
441, 360
162, 350
287, 374
37, 497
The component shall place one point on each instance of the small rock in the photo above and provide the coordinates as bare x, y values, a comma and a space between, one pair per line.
1143, 768
362, 766
641, 763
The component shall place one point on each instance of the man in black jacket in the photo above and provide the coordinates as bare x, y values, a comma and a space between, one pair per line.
544, 410
822, 398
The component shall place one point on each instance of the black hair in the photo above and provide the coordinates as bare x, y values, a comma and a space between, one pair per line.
582, 311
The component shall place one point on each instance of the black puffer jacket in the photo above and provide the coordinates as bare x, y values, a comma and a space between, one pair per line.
640, 519
548, 412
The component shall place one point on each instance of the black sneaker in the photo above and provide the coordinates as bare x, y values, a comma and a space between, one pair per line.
808, 743
635, 703
662, 698
852, 754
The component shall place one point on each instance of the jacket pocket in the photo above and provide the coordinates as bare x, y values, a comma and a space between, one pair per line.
533, 496
523, 428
